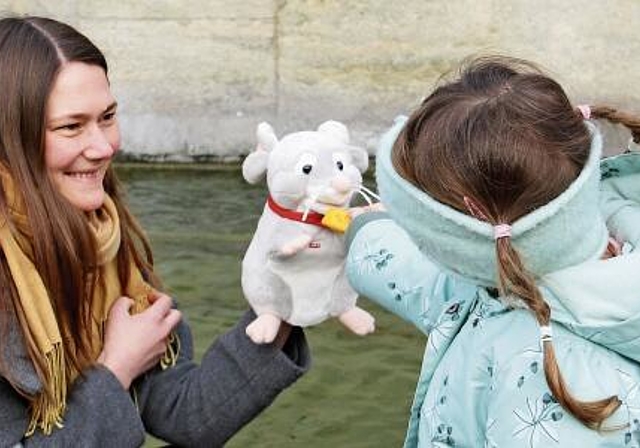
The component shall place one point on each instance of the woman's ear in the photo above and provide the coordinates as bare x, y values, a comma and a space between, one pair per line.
255, 164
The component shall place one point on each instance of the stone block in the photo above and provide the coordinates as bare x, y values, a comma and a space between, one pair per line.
65, 10
177, 9
196, 77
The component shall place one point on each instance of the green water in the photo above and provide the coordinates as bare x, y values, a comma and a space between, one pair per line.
358, 391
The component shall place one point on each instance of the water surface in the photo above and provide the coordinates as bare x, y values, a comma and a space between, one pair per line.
359, 390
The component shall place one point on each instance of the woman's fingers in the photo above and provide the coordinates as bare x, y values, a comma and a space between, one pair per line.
160, 306
172, 319
135, 343
121, 306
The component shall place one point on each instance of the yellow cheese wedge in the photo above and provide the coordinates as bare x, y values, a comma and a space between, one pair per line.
337, 219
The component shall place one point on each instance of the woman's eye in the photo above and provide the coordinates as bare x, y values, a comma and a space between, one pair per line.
340, 165
69, 127
307, 169
108, 117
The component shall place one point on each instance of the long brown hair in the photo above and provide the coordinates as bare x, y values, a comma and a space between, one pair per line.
505, 138
32, 52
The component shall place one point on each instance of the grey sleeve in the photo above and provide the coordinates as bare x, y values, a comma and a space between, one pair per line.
99, 413
206, 404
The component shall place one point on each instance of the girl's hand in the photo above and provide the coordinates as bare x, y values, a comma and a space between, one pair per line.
357, 211
134, 344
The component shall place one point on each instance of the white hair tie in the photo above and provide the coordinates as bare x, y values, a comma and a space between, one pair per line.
546, 335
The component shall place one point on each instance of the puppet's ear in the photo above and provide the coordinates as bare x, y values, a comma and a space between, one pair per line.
255, 164
267, 139
335, 129
360, 157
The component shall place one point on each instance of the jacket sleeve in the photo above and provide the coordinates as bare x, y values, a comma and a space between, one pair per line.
384, 265
99, 413
204, 405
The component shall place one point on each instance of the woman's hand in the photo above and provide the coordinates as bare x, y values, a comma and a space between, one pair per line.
134, 344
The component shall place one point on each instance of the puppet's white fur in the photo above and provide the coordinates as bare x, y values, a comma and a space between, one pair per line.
294, 271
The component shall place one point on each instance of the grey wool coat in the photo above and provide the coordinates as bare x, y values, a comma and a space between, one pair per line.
186, 405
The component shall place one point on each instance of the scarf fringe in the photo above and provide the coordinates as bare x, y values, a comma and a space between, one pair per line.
48, 407
172, 352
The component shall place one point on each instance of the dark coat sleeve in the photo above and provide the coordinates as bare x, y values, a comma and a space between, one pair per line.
204, 405
187, 405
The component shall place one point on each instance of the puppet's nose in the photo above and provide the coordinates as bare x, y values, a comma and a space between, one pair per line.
341, 184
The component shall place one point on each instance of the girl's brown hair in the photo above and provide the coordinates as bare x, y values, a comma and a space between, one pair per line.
32, 52
613, 115
504, 137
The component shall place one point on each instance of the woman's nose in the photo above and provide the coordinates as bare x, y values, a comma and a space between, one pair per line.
98, 144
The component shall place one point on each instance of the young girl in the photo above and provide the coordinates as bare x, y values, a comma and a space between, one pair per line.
92, 353
499, 252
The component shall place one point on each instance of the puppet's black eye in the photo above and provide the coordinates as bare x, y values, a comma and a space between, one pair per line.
305, 164
340, 165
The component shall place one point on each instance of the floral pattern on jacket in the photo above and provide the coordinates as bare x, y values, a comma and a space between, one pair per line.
476, 386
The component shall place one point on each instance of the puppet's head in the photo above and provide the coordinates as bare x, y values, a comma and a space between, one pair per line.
294, 268
308, 167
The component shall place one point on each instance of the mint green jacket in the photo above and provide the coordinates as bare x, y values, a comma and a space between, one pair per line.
482, 381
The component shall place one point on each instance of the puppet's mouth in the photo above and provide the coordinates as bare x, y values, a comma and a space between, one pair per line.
335, 198
336, 195
343, 198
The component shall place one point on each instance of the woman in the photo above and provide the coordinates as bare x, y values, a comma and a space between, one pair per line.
93, 353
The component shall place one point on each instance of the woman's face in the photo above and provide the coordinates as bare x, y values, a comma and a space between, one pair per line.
82, 134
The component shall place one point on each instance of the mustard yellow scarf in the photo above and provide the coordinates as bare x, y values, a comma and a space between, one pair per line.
35, 312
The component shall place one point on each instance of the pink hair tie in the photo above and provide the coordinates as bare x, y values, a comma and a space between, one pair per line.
585, 110
501, 231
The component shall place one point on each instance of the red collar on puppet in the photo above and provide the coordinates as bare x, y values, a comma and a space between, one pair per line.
314, 218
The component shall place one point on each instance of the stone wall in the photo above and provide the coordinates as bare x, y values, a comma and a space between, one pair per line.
194, 78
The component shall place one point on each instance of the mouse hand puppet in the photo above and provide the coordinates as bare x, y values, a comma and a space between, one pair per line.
294, 268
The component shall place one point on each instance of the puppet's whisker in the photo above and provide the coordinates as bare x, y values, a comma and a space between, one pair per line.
371, 192
307, 209
365, 196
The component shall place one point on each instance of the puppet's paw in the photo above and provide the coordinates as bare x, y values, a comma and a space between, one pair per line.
288, 250
296, 245
358, 321
263, 329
